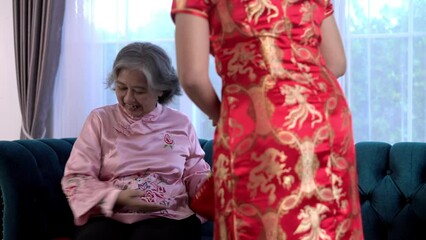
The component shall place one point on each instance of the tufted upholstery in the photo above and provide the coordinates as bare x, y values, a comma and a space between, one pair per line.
30, 175
391, 183
392, 190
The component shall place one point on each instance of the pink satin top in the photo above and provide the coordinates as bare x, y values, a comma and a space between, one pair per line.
158, 154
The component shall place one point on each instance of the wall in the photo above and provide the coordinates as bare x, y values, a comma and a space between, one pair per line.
10, 116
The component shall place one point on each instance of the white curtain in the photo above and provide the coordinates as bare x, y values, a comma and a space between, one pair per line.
79, 85
94, 31
385, 82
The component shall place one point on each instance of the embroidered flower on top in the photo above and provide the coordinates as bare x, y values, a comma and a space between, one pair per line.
168, 141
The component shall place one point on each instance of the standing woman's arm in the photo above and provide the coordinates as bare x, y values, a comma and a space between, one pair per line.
192, 54
332, 47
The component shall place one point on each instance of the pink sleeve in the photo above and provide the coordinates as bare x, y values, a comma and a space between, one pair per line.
85, 192
195, 7
196, 168
328, 8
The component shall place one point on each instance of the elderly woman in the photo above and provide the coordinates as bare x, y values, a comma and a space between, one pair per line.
136, 164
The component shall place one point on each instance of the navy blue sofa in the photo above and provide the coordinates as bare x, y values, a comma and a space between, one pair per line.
391, 185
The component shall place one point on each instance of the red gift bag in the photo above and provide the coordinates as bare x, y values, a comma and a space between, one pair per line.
203, 201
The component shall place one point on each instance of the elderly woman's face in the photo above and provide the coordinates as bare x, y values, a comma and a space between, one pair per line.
134, 94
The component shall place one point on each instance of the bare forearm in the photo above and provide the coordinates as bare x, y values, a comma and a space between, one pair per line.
192, 55
332, 47
205, 97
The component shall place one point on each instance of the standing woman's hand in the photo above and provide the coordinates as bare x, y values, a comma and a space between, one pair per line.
131, 199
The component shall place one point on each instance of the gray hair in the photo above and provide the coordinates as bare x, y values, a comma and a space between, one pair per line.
154, 63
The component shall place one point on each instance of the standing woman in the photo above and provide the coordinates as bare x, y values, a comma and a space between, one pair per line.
284, 156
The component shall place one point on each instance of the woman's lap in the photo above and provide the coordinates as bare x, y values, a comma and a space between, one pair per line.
155, 228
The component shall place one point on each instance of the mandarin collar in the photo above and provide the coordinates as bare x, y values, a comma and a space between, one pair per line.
125, 125
149, 117
153, 115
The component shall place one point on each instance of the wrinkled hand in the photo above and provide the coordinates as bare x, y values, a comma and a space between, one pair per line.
131, 198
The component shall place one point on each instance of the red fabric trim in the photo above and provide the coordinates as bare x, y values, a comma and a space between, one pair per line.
189, 11
329, 9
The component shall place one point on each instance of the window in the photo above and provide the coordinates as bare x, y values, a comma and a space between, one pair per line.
385, 82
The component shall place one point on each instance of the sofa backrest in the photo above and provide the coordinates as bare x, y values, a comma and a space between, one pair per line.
30, 174
391, 180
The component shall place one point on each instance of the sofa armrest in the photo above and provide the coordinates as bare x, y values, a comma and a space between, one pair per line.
34, 204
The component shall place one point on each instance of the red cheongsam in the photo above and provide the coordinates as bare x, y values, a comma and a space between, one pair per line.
284, 157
